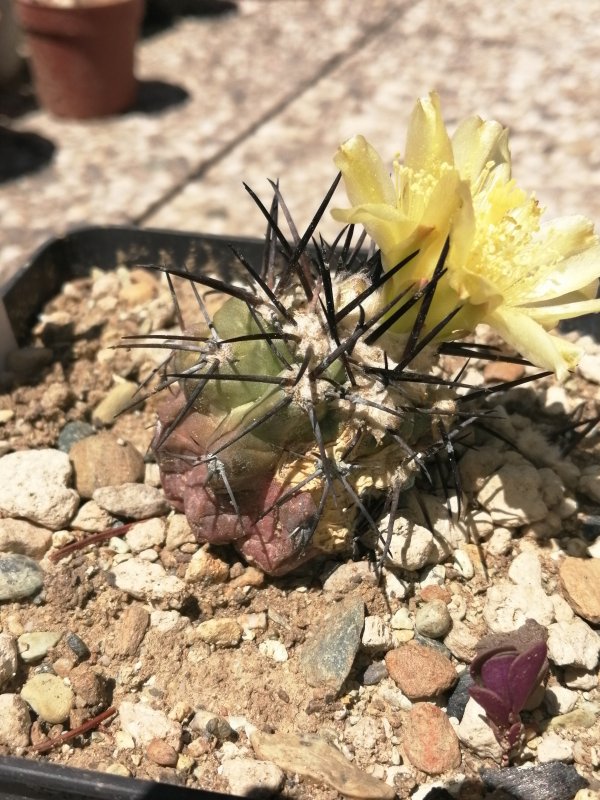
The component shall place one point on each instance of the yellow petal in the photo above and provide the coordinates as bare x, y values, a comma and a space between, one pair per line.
365, 176
476, 143
550, 316
427, 143
384, 224
530, 339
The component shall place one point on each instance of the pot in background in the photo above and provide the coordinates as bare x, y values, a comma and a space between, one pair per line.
82, 54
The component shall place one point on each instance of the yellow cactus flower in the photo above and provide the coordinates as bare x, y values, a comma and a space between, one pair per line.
504, 266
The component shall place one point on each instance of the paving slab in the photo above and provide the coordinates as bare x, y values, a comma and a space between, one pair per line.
207, 82
534, 69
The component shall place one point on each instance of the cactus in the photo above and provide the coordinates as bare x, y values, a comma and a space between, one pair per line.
296, 416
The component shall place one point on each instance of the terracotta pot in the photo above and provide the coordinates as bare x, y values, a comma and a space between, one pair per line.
82, 56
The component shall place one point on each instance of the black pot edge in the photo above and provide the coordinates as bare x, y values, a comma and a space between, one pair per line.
51, 265
106, 247
24, 779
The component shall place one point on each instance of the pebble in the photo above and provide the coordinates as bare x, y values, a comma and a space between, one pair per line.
74, 432
584, 717
114, 402
462, 641
92, 688
501, 371
589, 483
526, 569
377, 635
145, 580
401, 620
103, 460
432, 644
577, 678
463, 564
219, 728
457, 702
146, 534
49, 697
161, 753
411, 545
554, 748
20, 576
91, 518
500, 542
433, 619
248, 777
476, 734
34, 486
20, 536
327, 656
429, 740
394, 587
274, 649
350, 575
15, 721
129, 631
132, 500
206, 569
178, 532
77, 645
8, 659
512, 495
420, 672
580, 579
574, 644
589, 367
374, 673
144, 724
507, 606
560, 700
35, 645
319, 761
553, 781
220, 632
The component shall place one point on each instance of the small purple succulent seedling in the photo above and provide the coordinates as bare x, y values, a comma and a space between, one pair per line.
505, 677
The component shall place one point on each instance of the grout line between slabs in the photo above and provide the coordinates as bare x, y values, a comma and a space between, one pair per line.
325, 70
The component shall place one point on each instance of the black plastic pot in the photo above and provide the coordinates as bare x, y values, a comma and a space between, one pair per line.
76, 253
21, 779
56, 262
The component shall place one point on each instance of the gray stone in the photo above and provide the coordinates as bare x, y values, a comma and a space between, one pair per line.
8, 659
103, 460
15, 721
246, 776
553, 781
34, 486
34, 646
49, 697
457, 702
433, 619
20, 576
374, 673
132, 500
20, 536
74, 432
327, 657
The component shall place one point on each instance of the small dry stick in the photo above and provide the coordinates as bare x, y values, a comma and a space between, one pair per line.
55, 741
121, 530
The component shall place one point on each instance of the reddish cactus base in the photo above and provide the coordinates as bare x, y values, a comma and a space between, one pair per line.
273, 541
